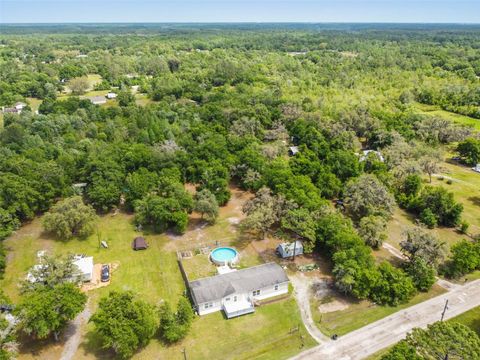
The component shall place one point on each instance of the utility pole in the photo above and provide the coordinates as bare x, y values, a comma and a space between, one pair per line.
294, 249
443, 314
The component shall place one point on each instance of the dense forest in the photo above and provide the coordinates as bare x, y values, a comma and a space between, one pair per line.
287, 113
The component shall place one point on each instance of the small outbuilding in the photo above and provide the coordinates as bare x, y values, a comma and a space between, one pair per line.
111, 95
286, 250
139, 243
293, 150
476, 168
97, 100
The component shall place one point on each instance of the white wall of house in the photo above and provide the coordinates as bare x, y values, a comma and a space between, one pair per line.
265, 293
270, 291
213, 306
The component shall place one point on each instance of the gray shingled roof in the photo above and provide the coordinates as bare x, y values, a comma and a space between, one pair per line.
245, 280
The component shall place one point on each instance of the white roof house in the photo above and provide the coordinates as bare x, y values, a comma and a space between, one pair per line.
97, 100
85, 265
111, 95
20, 105
235, 292
476, 168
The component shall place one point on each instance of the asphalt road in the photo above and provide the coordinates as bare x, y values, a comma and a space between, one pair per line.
383, 333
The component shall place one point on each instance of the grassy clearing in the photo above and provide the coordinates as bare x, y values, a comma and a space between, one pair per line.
470, 318
154, 275
434, 110
359, 314
402, 220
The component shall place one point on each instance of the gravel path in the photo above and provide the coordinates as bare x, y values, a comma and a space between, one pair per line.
74, 334
302, 289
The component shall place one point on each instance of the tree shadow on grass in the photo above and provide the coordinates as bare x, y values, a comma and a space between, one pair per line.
475, 200
39, 348
92, 344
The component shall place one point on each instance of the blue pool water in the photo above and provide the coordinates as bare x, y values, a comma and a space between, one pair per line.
224, 254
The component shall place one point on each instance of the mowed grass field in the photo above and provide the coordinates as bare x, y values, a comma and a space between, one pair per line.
275, 331
470, 318
434, 110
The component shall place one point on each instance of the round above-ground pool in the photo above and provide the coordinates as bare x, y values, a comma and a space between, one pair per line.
224, 255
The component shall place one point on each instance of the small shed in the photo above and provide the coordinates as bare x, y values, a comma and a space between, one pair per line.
285, 250
111, 95
139, 243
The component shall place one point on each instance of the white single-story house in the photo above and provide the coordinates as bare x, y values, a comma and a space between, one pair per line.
367, 152
97, 100
286, 250
111, 95
235, 292
84, 264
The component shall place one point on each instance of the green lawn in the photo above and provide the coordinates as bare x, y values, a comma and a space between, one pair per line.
470, 318
263, 335
362, 313
434, 110
154, 275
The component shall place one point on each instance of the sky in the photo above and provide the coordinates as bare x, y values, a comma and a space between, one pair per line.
81, 11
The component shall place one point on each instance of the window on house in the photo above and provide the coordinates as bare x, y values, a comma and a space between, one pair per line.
208, 305
227, 299
276, 287
235, 298
256, 293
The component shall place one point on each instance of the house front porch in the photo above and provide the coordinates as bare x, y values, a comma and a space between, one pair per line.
241, 306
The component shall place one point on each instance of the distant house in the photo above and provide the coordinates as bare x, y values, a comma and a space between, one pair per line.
235, 292
365, 153
286, 250
10, 110
15, 109
97, 100
293, 150
19, 106
111, 95
476, 168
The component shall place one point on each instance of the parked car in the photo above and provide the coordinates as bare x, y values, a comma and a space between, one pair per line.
105, 273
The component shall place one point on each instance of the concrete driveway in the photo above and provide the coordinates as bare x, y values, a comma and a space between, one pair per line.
383, 333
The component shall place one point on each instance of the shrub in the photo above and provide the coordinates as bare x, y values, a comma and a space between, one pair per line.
428, 218
464, 225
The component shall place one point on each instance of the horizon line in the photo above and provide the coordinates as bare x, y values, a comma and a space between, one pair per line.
239, 22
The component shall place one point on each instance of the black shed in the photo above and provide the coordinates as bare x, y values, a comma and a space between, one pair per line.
139, 243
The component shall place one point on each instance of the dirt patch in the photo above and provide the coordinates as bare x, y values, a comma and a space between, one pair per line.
97, 275
326, 297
